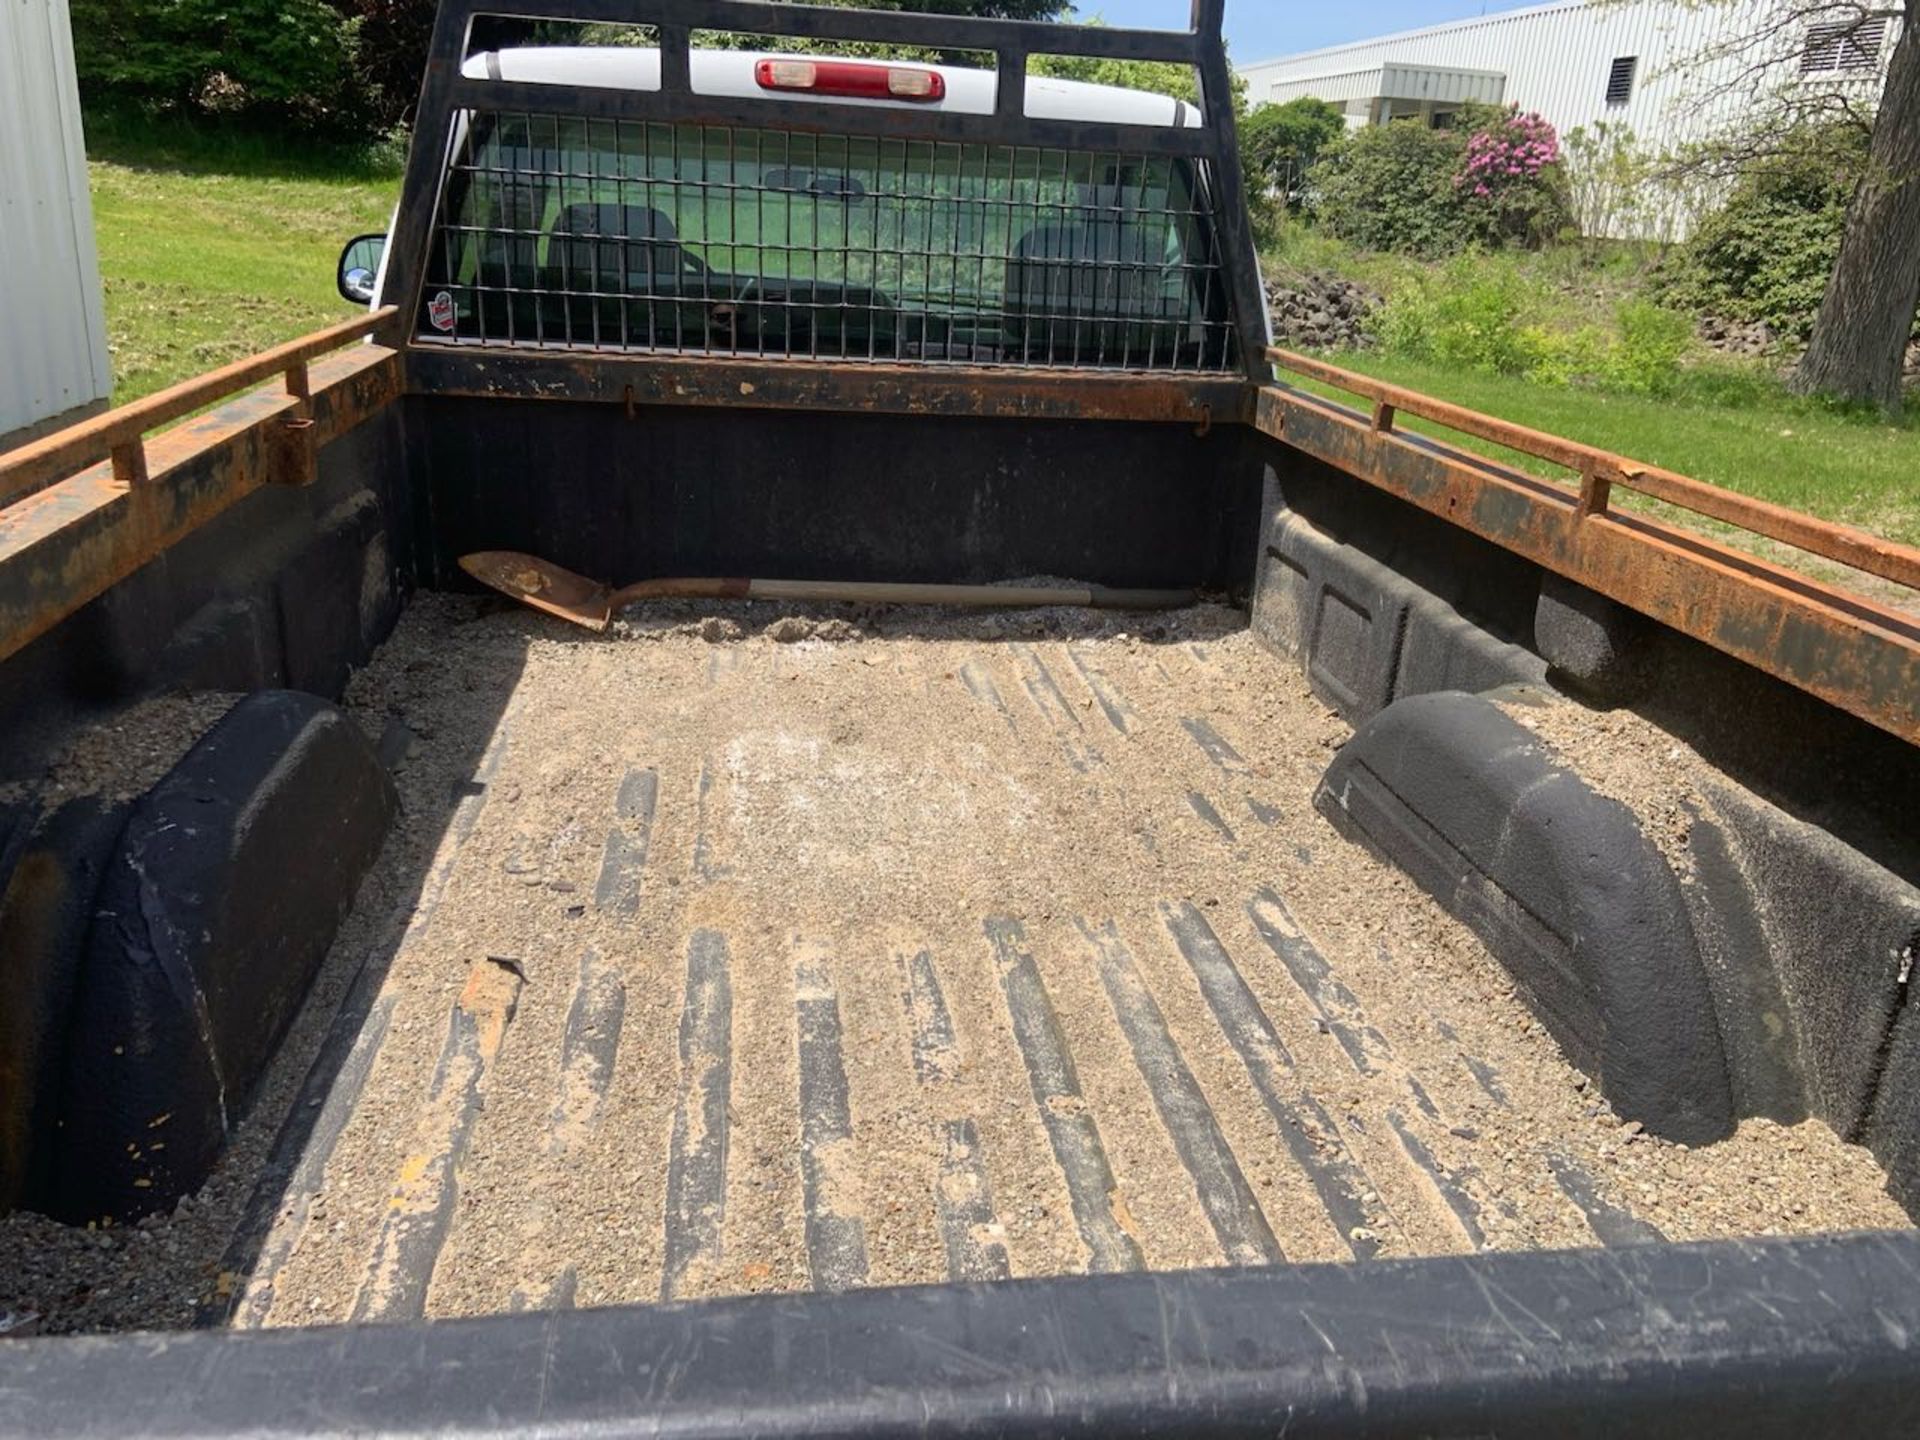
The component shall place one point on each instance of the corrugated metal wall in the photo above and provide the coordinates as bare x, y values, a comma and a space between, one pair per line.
1441, 85
1556, 59
53, 336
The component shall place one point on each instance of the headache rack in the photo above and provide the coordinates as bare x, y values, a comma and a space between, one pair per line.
669, 221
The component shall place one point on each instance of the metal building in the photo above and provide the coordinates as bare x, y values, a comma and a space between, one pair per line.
53, 338
1647, 65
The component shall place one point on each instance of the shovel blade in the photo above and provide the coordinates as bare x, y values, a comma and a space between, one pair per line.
543, 585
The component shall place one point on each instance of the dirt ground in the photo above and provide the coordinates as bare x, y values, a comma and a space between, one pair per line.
853, 948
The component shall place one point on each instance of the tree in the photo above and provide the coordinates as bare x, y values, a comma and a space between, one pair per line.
288, 55
1280, 143
1801, 63
993, 9
1155, 76
1612, 183
394, 38
1160, 77
1866, 318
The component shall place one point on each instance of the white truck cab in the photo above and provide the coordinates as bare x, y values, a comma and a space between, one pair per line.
804, 79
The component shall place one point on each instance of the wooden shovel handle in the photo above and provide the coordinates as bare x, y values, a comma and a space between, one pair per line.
1015, 597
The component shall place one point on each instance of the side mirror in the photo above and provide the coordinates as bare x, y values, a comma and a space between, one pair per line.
360, 268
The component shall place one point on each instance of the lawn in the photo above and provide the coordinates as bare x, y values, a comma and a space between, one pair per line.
210, 251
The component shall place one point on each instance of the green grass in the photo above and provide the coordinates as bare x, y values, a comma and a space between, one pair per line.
1728, 422
213, 247
1568, 285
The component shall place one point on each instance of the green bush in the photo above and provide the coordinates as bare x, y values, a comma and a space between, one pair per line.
290, 58
1279, 146
1390, 187
1468, 314
1477, 312
1419, 191
1652, 343
1768, 252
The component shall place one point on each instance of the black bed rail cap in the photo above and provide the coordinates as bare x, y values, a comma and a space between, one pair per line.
1798, 1337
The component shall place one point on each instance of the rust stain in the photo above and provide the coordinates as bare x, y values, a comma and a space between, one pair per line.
490, 996
118, 432
629, 379
65, 544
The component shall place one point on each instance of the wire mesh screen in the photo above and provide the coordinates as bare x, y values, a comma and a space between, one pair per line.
578, 233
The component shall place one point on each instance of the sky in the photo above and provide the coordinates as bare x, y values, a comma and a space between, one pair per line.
1263, 29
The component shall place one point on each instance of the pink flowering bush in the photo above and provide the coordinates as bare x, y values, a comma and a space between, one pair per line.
1512, 154
1511, 182
1493, 178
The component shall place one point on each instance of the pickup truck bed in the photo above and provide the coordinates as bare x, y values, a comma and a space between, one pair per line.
744, 950
1456, 980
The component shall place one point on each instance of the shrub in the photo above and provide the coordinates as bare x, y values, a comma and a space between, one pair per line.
1279, 144
1476, 313
1767, 253
1652, 343
1469, 314
1390, 187
1493, 178
1511, 183
290, 57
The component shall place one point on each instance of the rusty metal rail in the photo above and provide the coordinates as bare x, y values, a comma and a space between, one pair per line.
1855, 653
120, 434
1601, 470
779, 384
86, 507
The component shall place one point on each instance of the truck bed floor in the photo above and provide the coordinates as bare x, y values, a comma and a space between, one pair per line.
922, 950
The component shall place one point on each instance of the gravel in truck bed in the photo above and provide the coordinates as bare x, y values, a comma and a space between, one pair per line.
749, 949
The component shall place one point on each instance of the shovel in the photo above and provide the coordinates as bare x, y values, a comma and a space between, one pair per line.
546, 586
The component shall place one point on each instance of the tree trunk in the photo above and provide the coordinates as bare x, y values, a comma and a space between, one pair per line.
1865, 322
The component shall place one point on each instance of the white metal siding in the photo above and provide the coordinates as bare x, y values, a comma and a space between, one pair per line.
1440, 84
53, 338
1556, 58
1335, 86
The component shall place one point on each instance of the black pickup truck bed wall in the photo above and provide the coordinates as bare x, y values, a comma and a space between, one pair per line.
708, 491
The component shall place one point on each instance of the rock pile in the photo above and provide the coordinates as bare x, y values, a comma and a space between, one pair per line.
1320, 312
1749, 339
1757, 340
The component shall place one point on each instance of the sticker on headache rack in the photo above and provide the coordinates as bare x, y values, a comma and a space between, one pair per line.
440, 312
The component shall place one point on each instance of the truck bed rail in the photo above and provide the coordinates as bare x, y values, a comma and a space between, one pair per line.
1601, 470
120, 434
1854, 652
87, 506
1770, 1338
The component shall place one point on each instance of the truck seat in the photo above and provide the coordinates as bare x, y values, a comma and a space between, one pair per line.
621, 248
